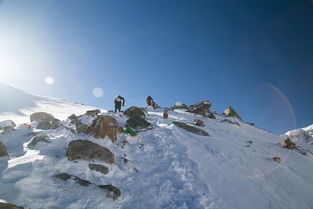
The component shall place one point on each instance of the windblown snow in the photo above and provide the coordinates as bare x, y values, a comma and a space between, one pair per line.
166, 167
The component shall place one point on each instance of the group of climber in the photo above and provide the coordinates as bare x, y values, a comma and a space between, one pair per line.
119, 102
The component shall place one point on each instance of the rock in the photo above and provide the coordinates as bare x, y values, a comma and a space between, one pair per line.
44, 125
41, 117
37, 139
134, 111
9, 206
230, 112
288, 144
93, 113
277, 159
179, 105
137, 122
112, 191
211, 115
165, 114
83, 128
230, 121
100, 168
87, 150
66, 176
7, 126
198, 122
201, 108
251, 124
3, 150
103, 126
191, 129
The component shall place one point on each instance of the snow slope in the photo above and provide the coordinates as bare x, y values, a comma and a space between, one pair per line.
168, 168
17, 105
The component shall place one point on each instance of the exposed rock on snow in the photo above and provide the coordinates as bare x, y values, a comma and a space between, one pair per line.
93, 113
179, 105
100, 168
3, 150
230, 121
289, 144
198, 122
87, 150
137, 122
134, 111
230, 112
37, 139
277, 159
112, 191
201, 108
191, 129
7, 126
9, 206
211, 115
105, 125
41, 117
83, 128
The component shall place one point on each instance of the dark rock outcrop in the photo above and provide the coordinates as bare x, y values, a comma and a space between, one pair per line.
41, 117
288, 144
87, 150
3, 150
93, 113
37, 139
211, 115
201, 108
230, 112
230, 121
277, 159
83, 128
44, 125
134, 111
198, 122
105, 125
9, 206
100, 168
137, 122
179, 105
191, 129
112, 191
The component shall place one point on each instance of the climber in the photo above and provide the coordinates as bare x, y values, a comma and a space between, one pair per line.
150, 102
119, 102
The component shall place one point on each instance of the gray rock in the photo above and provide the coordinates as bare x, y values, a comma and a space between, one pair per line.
201, 108
7, 126
211, 115
83, 128
41, 116
87, 150
44, 125
230, 121
37, 139
9, 206
198, 122
230, 112
3, 150
179, 105
191, 129
100, 168
134, 111
113, 192
93, 113
137, 122
66, 176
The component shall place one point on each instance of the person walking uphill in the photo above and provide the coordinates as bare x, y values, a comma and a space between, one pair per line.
119, 102
150, 102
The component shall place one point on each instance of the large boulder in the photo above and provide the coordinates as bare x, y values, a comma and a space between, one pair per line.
112, 191
230, 112
179, 105
9, 206
134, 111
41, 116
37, 139
137, 122
7, 125
191, 129
87, 150
105, 126
3, 150
201, 108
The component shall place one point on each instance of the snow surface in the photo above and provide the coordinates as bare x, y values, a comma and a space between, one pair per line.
168, 167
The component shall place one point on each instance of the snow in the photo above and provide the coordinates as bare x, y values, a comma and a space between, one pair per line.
168, 167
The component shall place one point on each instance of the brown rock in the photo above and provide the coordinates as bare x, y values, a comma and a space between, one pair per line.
211, 115
201, 108
83, 128
103, 126
277, 159
191, 129
199, 122
230, 112
3, 150
134, 111
87, 150
288, 144
100, 168
41, 116
9, 206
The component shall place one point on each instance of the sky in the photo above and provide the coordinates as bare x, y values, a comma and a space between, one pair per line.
256, 56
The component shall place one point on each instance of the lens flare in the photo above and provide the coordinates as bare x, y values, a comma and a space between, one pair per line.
97, 92
49, 80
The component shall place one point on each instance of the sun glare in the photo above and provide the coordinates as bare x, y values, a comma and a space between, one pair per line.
97, 92
49, 80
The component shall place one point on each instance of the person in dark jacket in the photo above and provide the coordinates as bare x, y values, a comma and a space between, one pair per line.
119, 102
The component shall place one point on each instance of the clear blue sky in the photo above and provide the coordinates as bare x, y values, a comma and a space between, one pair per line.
254, 55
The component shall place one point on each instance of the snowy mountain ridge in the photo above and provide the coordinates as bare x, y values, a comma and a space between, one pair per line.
170, 165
